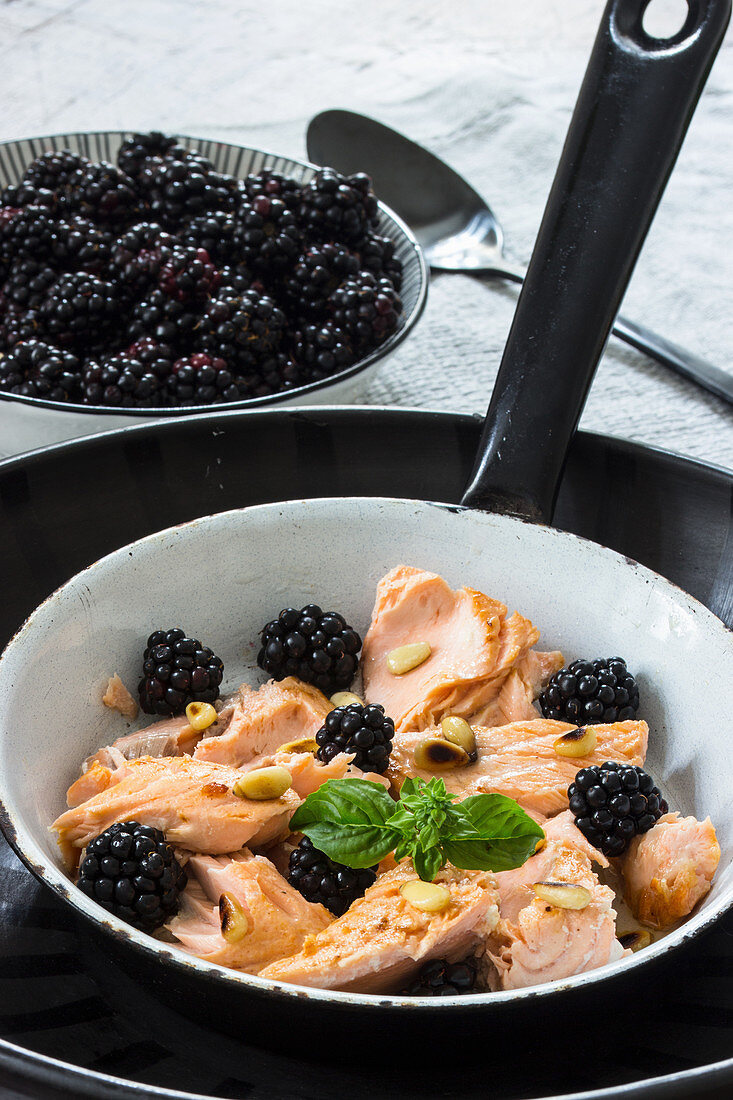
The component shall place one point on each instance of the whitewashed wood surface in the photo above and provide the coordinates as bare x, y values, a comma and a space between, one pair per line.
489, 86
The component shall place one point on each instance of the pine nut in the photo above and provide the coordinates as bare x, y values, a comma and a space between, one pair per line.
407, 657
346, 699
262, 784
428, 897
301, 744
563, 895
200, 715
234, 920
458, 732
580, 742
642, 937
433, 754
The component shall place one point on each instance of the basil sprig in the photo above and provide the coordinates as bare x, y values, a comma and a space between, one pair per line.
357, 823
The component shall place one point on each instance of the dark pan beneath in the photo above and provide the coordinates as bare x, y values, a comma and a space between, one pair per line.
62, 996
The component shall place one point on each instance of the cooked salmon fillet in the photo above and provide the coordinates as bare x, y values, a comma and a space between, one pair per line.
96, 778
382, 941
519, 760
534, 942
309, 773
265, 719
278, 918
669, 869
117, 697
474, 647
190, 800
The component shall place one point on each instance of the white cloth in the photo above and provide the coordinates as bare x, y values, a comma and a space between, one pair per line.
488, 86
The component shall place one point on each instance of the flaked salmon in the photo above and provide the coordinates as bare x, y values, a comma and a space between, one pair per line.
263, 916
265, 719
534, 942
382, 941
168, 737
474, 646
519, 760
669, 869
117, 697
308, 773
190, 800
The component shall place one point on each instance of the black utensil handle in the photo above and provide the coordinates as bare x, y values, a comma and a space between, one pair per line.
634, 106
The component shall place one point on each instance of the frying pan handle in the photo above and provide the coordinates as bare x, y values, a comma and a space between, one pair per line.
633, 110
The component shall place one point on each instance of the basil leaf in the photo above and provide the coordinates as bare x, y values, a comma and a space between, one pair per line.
345, 802
356, 846
429, 836
504, 836
428, 863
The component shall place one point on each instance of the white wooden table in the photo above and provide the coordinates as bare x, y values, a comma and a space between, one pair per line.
488, 86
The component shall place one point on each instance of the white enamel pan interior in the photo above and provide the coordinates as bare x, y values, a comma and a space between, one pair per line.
224, 576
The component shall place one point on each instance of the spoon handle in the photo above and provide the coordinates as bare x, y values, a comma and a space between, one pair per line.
684, 362
635, 104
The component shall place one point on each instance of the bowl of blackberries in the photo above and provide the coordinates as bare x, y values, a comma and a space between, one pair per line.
145, 275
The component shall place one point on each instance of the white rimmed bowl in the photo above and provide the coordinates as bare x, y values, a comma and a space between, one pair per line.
30, 422
223, 576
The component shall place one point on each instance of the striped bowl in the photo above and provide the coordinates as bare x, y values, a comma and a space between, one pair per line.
30, 422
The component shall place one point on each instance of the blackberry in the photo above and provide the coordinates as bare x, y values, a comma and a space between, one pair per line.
177, 670
132, 871
200, 380
377, 255
133, 379
236, 278
439, 978
215, 233
245, 329
587, 692
318, 647
367, 309
134, 154
139, 254
316, 274
35, 369
13, 324
612, 803
322, 350
28, 282
79, 310
336, 207
188, 274
363, 730
273, 185
267, 236
80, 245
52, 171
23, 194
101, 192
165, 319
30, 231
183, 189
320, 879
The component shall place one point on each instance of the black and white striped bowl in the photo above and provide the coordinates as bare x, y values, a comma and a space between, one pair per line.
30, 422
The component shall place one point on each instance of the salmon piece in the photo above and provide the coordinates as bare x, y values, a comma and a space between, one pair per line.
265, 719
515, 700
381, 941
190, 800
669, 869
95, 779
534, 942
118, 698
309, 773
519, 760
474, 646
278, 916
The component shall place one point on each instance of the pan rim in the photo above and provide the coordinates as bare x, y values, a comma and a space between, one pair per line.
54, 878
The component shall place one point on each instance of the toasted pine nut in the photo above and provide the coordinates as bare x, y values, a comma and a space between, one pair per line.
234, 920
642, 937
406, 657
345, 699
580, 742
200, 715
428, 897
262, 784
458, 732
433, 754
563, 895
541, 843
301, 744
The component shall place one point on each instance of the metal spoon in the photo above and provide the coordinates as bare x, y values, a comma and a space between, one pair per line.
455, 226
